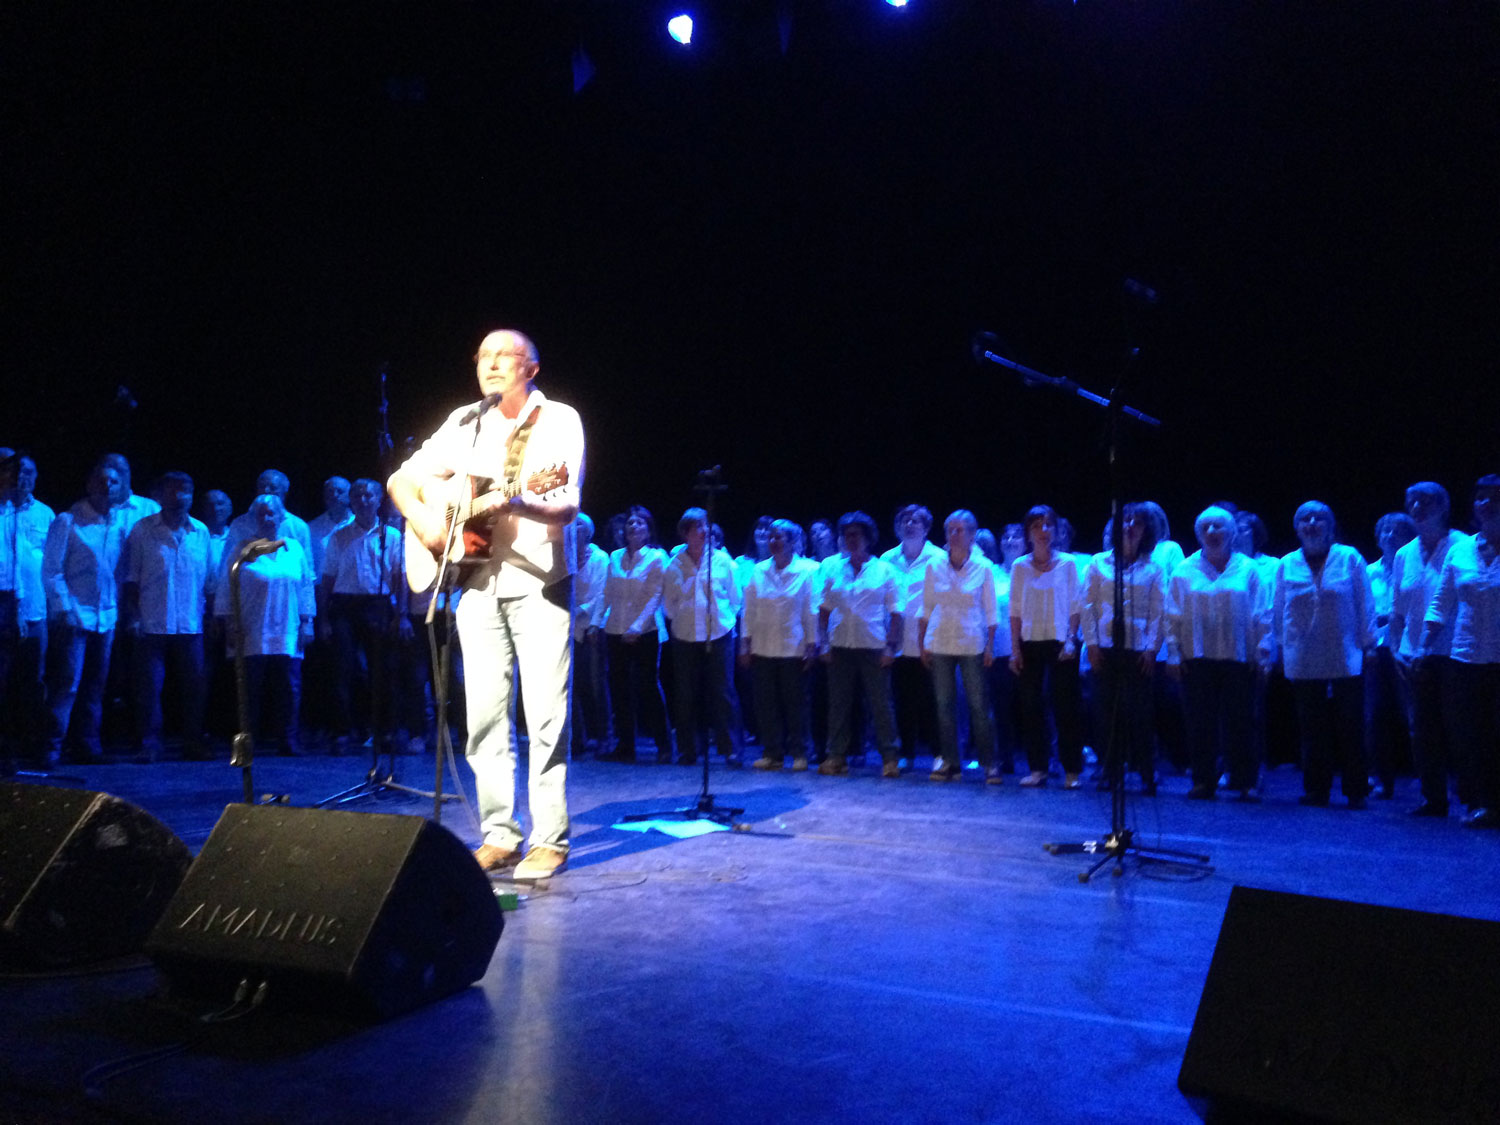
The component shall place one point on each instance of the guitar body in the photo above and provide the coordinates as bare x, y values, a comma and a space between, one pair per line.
472, 546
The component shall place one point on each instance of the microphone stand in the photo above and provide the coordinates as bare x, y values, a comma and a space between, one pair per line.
378, 782
709, 484
1119, 841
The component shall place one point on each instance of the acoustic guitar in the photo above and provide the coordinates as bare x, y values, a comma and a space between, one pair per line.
460, 498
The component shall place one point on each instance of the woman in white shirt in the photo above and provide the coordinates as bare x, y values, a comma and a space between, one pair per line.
1045, 593
859, 624
1217, 610
1468, 602
701, 597
778, 642
1123, 677
1002, 679
1387, 703
1415, 575
632, 638
956, 634
277, 607
1323, 617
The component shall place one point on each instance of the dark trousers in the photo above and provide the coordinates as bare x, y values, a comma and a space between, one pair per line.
1432, 688
364, 683
781, 703
1003, 696
1047, 682
24, 695
1171, 730
1218, 699
705, 670
946, 670
1387, 709
590, 692
273, 691
1330, 717
859, 670
153, 653
917, 717
1123, 709
1478, 733
635, 693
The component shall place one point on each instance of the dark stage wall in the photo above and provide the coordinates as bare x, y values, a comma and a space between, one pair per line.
771, 260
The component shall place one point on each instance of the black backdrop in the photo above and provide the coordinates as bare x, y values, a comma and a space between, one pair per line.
774, 259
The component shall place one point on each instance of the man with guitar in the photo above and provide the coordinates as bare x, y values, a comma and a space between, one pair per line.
508, 470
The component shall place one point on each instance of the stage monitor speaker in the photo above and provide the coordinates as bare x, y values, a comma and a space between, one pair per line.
351, 914
83, 875
1322, 1010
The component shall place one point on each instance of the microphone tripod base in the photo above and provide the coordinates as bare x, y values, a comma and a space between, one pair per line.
1116, 846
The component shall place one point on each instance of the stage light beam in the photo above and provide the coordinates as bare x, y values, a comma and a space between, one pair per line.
680, 28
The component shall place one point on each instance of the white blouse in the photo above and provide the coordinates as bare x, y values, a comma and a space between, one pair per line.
1468, 601
1414, 582
780, 618
859, 604
276, 593
910, 575
588, 592
958, 604
632, 590
1323, 623
1044, 601
685, 597
1145, 596
1217, 616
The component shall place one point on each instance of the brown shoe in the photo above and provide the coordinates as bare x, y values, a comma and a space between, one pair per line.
491, 858
541, 863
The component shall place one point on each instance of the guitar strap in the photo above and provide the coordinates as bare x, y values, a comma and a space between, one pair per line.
515, 448
476, 539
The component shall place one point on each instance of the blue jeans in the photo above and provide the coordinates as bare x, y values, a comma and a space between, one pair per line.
80, 667
535, 634
976, 693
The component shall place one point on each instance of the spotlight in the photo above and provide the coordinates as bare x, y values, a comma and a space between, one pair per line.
896, 3
680, 28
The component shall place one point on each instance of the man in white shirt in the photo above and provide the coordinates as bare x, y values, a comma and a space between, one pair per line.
84, 546
362, 598
336, 513
165, 588
590, 691
24, 521
517, 608
1416, 574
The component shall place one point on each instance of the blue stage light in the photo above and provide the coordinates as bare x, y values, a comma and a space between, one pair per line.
680, 28
896, 3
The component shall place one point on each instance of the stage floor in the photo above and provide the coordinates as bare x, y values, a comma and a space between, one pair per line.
869, 951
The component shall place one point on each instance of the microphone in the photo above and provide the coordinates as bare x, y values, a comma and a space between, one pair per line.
257, 547
478, 409
981, 343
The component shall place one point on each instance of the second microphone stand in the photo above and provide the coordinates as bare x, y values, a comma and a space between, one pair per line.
709, 484
1119, 842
